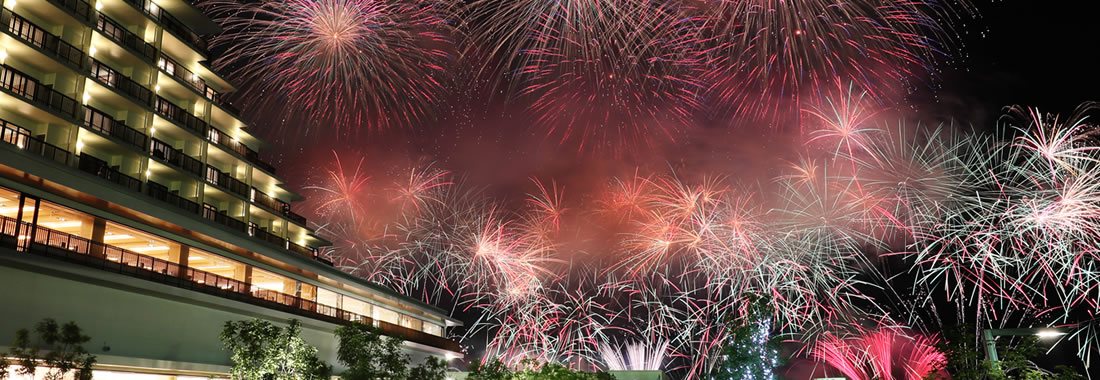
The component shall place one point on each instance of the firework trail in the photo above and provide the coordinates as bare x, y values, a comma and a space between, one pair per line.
770, 59
346, 64
998, 226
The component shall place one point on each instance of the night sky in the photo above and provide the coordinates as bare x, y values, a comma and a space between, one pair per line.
1014, 52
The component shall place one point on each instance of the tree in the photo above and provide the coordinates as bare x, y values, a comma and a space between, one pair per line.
491, 370
431, 369
369, 355
966, 359
749, 353
262, 351
59, 348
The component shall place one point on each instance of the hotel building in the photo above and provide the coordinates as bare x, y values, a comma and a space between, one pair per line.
133, 200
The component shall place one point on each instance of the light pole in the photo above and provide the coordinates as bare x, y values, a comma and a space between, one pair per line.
988, 336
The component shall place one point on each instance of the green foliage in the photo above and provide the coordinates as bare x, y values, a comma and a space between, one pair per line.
59, 348
750, 352
431, 369
496, 370
491, 370
966, 359
262, 351
370, 356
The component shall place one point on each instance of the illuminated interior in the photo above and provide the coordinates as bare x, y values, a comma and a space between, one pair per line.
208, 262
141, 242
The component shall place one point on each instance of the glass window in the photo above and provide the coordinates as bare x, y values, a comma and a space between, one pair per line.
412, 323
328, 298
60, 218
433, 329
211, 263
386, 315
356, 306
269, 281
141, 242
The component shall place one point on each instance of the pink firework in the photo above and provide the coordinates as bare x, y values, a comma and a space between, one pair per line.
883, 354
344, 64
767, 57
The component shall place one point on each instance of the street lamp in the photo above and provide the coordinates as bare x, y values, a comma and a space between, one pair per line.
991, 345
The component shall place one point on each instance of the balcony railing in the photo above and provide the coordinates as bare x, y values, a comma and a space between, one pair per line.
113, 79
265, 200
21, 138
173, 68
175, 157
99, 168
29, 89
262, 234
79, 8
233, 145
180, 116
300, 249
104, 124
30, 33
181, 30
225, 181
223, 219
161, 193
124, 37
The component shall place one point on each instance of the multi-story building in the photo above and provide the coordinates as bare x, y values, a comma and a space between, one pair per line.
134, 202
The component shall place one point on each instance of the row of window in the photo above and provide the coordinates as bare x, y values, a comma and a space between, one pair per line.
228, 272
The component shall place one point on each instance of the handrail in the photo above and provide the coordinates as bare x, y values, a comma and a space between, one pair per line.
99, 121
33, 34
180, 116
21, 138
110, 77
61, 245
115, 31
30, 89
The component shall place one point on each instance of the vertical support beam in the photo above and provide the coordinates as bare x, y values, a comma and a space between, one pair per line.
99, 230
991, 350
181, 258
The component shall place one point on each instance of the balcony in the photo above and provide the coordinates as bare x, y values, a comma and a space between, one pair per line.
171, 24
233, 145
180, 116
78, 8
221, 218
28, 88
105, 125
32, 34
74, 249
20, 138
175, 157
262, 234
112, 78
99, 168
225, 181
188, 77
161, 193
113, 30
276, 206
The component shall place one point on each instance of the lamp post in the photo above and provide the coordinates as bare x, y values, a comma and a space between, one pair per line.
988, 336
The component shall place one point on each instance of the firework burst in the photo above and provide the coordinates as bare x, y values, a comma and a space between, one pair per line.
345, 64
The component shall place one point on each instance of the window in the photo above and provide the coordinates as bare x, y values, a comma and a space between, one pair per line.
386, 315
140, 242
211, 263
433, 329
412, 323
328, 298
356, 306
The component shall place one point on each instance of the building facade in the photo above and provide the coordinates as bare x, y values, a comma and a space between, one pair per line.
134, 202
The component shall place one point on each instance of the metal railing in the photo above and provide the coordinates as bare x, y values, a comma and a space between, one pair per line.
175, 157
21, 138
31, 90
90, 253
223, 219
110, 77
180, 116
79, 8
161, 193
262, 234
106, 125
173, 68
115, 31
99, 168
233, 145
225, 181
30, 33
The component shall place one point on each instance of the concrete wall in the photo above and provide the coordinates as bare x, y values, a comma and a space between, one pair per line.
144, 324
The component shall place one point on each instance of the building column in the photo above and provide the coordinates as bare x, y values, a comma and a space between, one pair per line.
99, 230
180, 257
